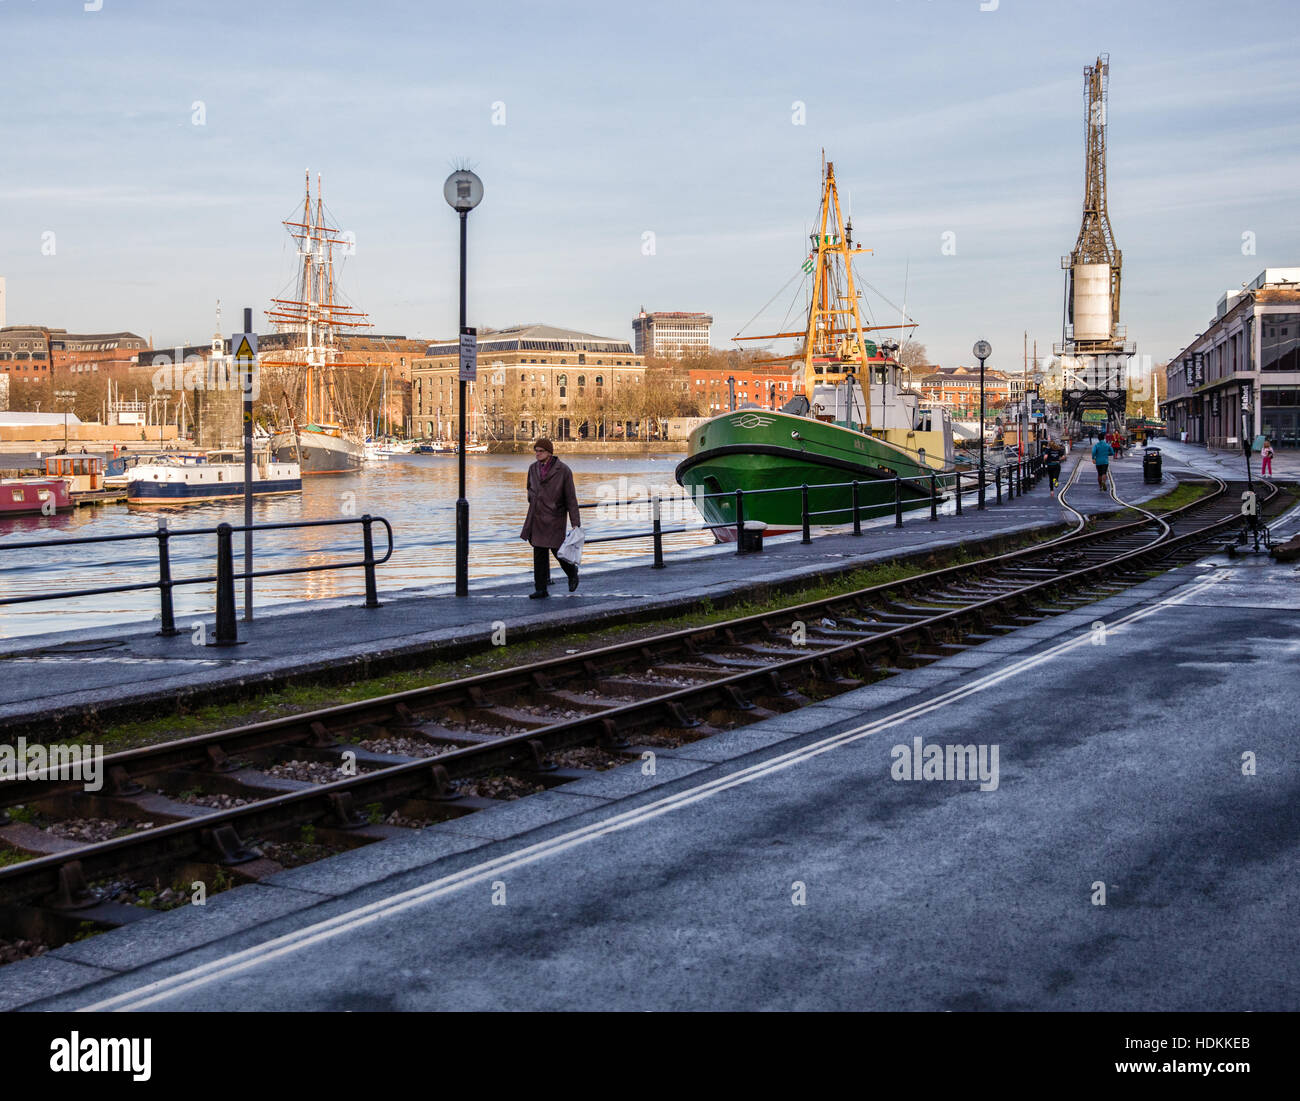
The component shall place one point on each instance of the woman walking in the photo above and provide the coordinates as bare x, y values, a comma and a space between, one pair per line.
550, 496
1266, 458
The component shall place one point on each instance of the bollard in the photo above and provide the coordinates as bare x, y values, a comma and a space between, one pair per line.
740, 521
165, 581
368, 557
934, 496
997, 483
898, 501
227, 633
807, 522
659, 537
857, 514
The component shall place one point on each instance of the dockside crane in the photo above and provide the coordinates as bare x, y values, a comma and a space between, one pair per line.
1094, 348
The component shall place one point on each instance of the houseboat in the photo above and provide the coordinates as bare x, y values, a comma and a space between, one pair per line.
23, 496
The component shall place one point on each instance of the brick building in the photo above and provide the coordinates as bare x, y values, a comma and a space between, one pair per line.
768, 387
958, 389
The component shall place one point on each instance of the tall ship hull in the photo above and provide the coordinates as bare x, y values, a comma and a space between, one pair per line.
318, 452
771, 456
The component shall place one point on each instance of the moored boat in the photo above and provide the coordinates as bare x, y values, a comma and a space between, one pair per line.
217, 475
856, 421
22, 496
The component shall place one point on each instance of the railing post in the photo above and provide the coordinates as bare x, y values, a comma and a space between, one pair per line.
1011, 479
857, 510
368, 557
981, 487
227, 633
997, 482
659, 537
807, 521
898, 501
165, 580
740, 521
957, 484
934, 496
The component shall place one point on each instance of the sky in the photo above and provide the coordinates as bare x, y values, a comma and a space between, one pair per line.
665, 156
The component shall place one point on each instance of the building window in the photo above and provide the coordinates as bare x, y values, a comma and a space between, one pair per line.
600, 380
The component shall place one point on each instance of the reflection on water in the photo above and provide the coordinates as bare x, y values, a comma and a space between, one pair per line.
415, 493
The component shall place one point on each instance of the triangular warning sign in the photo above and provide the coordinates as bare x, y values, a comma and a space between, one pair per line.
245, 352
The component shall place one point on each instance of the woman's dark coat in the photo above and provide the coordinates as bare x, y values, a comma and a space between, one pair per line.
549, 499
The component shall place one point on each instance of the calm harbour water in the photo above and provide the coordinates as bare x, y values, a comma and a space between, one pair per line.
415, 493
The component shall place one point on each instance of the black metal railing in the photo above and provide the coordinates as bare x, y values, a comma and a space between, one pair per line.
1020, 476
226, 631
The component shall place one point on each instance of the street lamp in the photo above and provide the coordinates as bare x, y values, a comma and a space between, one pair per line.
983, 349
463, 192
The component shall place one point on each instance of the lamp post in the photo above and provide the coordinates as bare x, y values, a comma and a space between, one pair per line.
983, 349
463, 192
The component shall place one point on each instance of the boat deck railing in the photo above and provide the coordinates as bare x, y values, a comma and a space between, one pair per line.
225, 577
1018, 476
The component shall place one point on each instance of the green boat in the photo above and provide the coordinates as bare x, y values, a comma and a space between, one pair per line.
856, 421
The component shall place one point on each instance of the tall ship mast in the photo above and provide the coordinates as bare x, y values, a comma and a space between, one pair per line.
855, 421
319, 431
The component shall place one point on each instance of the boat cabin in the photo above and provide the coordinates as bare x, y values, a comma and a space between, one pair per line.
83, 473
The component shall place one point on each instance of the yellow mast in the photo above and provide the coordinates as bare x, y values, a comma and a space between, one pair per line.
840, 347
833, 341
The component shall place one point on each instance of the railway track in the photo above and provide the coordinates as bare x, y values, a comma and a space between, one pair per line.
238, 804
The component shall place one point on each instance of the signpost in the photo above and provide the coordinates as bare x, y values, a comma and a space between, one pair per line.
469, 354
243, 346
65, 396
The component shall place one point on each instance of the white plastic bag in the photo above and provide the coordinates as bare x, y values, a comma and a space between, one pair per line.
571, 549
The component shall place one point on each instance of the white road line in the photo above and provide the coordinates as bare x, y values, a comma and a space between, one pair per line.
196, 977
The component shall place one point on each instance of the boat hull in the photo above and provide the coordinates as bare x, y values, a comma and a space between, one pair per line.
770, 456
24, 496
173, 493
321, 453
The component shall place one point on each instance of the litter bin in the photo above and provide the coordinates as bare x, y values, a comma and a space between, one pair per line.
1151, 465
751, 538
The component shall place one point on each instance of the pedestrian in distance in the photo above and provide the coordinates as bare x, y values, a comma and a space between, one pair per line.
1266, 458
550, 497
1101, 453
1053, 467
